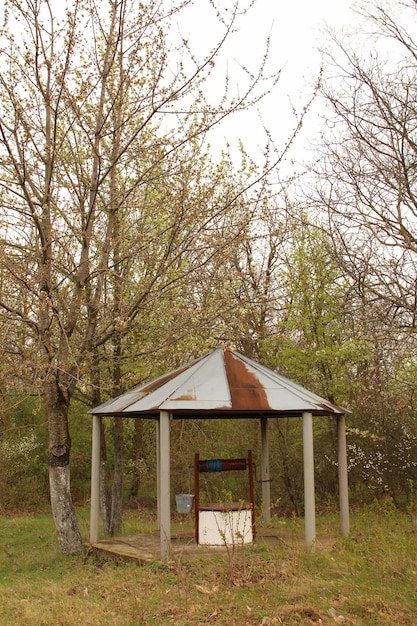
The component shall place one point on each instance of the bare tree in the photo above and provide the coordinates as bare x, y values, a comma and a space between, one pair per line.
367, 166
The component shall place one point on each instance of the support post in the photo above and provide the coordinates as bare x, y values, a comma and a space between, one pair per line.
343, 476
158, 481
197, 496
164, 491
252, 493
309, 496
266, 485
95, 480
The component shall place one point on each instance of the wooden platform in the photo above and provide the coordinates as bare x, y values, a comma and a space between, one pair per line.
145, 548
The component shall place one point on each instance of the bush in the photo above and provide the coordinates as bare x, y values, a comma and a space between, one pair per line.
23, 473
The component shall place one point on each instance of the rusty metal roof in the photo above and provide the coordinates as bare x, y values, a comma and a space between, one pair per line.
219, 384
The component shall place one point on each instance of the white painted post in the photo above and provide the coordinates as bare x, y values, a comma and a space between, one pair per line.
266, 485
309, 496
343, 476
95, 480
164, 491
158, 495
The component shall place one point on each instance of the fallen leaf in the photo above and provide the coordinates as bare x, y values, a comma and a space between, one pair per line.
205, 590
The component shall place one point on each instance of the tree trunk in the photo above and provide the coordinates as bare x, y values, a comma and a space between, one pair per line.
69, 536
117, 490
105, 496
285, 455
137, 453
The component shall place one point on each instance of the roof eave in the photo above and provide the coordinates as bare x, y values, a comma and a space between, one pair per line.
222, 414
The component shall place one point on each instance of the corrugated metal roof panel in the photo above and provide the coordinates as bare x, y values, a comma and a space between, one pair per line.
223, 382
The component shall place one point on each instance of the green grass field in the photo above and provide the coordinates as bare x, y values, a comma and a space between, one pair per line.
368, 578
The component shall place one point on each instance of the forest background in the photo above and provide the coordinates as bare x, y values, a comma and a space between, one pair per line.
127, 249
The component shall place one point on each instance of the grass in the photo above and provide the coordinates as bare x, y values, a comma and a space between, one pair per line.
368, 578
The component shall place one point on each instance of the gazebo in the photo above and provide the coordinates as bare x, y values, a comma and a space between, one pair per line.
228, 385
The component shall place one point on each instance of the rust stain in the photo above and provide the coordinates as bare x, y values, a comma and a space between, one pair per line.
185, 396
154, 385
246, 391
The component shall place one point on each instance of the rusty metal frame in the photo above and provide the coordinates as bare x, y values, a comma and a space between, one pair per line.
222, 465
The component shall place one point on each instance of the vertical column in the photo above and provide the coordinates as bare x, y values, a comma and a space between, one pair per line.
95, 480
197, 496
343, 475
252, 493
158, 495
266, 485
309, 497
164, 491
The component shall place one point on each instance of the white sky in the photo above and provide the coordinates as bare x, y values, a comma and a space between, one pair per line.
296, 28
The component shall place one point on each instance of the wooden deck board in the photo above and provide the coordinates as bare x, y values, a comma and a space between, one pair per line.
145, 548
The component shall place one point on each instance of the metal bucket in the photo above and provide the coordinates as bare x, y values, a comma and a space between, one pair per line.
185, 502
